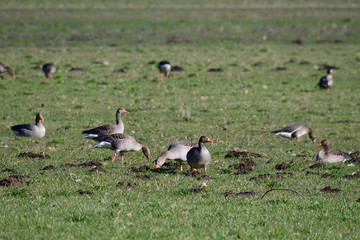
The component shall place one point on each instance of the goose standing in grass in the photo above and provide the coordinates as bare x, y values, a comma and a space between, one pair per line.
121, 143
199, 157
49, 69
30, 130
7, 69
295, 130
109, 128
329, 155
326, 82
165, 68
177, 151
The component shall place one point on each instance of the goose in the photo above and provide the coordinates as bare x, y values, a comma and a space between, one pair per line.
199, 157
326, 82
109, 128
295, 130
121, 143
329, 155
30, 130
7, 69
49, 69
165, 67
176, 151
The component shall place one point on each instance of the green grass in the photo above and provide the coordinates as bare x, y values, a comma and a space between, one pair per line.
250, 101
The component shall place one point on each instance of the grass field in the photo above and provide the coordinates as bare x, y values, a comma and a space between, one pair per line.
237, 108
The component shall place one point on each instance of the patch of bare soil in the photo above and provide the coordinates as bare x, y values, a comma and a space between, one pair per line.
355, 157
328, 189
82, 192
242, 154
98, 169
33, 155
197, 190
304, 62
84, 164
282, 166
172, 164
177, 39
127, 184
278, 175
122, 70
8, 170
280, 69
327, 66
215, 70
245, 167
49, 167
328, 175
198, 175
14, 180
353, 175
77, 69
249, 194
233, 65
145, 176
298, 42
312, 173
140, 169
257, 64
318, 165
177, 68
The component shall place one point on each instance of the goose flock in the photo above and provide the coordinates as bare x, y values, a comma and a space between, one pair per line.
112, 136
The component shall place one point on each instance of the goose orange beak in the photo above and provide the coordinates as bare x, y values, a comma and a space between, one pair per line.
41, 117
157, 166
209, 140
125, 111
319, 145
13, 76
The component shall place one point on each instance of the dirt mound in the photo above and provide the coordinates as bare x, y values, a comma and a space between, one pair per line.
353, 175
242, 154
298, 42
312, 173
327, 66
145, 176
49, 167
140, 169
197, 174
77, 69
250, 194
278, 175
245, 167
98, 169
328, 175
127, 184
197, 190
282, 166
172, 164
8, 170
215, 70
14, 180
33, 155
318, 165
277, 69
328, 189
82, 192
177, 68
84, 164
122, 70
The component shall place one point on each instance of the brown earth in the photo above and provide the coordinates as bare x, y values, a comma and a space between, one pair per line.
33, 155
328, 175
49, 167
231, 193
82, 192
318, 165
145, 176
8, 170
282, 166
278, 175
328, 189
215, 70
197, 190
14, 180
242, 154
127, 184
177, 68
98, 169
312, 173
353, 175
84, 164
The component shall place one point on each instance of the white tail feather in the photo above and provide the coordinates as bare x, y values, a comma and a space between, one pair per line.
103, 144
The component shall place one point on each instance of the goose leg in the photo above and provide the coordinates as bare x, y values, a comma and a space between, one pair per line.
298, 140
113, 159
205, 170
122, 157
181, 167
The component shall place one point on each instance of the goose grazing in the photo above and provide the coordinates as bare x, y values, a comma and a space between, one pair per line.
199, 157
49, 69
109, 128
295, 130
7, 69
326, 82
30, 130
177, 151
329, 155
121, 143
165, 68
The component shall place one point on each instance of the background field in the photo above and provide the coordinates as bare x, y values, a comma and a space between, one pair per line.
236, 108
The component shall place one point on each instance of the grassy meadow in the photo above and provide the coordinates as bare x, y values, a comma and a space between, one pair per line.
271, 54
